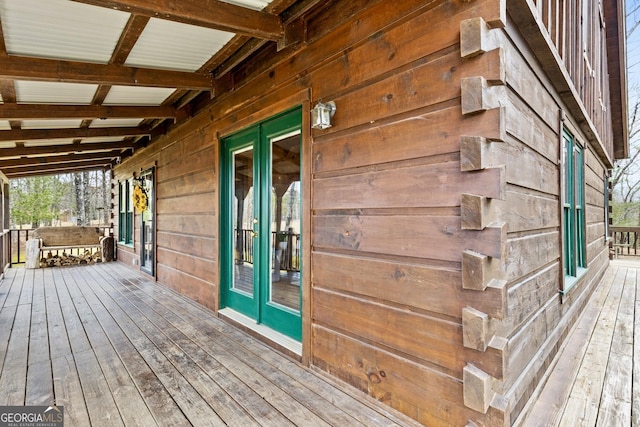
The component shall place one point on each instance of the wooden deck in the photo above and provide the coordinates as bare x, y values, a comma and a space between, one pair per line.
596, 377
117, 349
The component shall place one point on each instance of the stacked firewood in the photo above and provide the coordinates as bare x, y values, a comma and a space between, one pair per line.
64, 259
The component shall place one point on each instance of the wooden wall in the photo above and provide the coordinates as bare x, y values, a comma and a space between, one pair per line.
433, 261
186, 215
536, 318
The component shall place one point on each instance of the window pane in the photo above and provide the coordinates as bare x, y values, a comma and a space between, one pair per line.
243, 221
574, 225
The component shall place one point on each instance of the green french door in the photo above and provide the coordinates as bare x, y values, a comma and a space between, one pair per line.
261, 224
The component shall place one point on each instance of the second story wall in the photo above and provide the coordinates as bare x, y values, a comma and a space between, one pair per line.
580, 45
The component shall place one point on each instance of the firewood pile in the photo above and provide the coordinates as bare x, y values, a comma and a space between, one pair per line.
64, 259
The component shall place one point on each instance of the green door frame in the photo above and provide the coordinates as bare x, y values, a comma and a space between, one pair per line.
257, 306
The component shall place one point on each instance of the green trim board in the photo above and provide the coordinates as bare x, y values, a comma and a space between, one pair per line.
574, 225
125, 213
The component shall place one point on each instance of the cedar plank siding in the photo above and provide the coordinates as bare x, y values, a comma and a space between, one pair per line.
432, 207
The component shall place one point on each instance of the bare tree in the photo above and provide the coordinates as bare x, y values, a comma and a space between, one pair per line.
106, 195
86, 189
625, 177
79, 190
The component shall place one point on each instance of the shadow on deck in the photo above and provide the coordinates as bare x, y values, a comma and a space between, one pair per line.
114, 349
596, 377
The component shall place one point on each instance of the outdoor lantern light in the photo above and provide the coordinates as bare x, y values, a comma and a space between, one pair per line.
321, 115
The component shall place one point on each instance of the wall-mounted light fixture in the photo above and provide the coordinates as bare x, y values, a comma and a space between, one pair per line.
321, 115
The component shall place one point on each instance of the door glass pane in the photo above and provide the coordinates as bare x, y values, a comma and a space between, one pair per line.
285, 221
243, 215
147, 225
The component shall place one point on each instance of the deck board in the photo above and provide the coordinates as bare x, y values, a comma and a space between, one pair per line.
158, 399
635, 386
595, 380
39, 392
13, 381
272, 394
68, 391
130, 404
615, 404
115, 348
278, 370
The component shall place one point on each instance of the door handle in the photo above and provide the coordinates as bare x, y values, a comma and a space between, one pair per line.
254, 233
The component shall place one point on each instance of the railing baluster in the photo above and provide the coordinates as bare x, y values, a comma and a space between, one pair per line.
624, 240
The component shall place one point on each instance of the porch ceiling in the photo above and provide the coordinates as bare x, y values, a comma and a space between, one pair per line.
97, 79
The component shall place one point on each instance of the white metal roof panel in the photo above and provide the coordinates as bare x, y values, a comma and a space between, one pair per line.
51, 124
136, 95
174, 46
114, 123
97, 139
45, 142
33, 92
61, 29
251, 4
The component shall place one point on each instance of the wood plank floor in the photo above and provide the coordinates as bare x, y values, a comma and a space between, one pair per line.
117, 349
596, 377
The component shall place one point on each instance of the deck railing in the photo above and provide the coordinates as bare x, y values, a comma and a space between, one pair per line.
5, 249
284, 244
16, 243
624, 241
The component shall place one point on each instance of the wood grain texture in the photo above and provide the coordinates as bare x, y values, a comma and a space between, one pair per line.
414, 135
199, 246
585, 395
155, 356
424, 287
533, 171
405, 236
635, 387
385, 376
384, 201
528, 212
530, 252
195, 266
432, 185
548, 407
370, 321
200, 290
407, 91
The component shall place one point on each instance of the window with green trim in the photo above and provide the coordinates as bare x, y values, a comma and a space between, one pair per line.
574, 227
125, 212
607, 196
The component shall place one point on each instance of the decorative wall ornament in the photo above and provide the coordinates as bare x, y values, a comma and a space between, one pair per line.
140, 198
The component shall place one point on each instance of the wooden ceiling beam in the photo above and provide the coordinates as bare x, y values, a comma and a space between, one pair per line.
49, 173
250, 47
57, 160
52, 70
203, 13
8, 91
240, 48
130, 35
35, 134
50, 111
56, 169
66, 148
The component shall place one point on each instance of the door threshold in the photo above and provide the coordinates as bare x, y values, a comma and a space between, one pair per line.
264, 333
